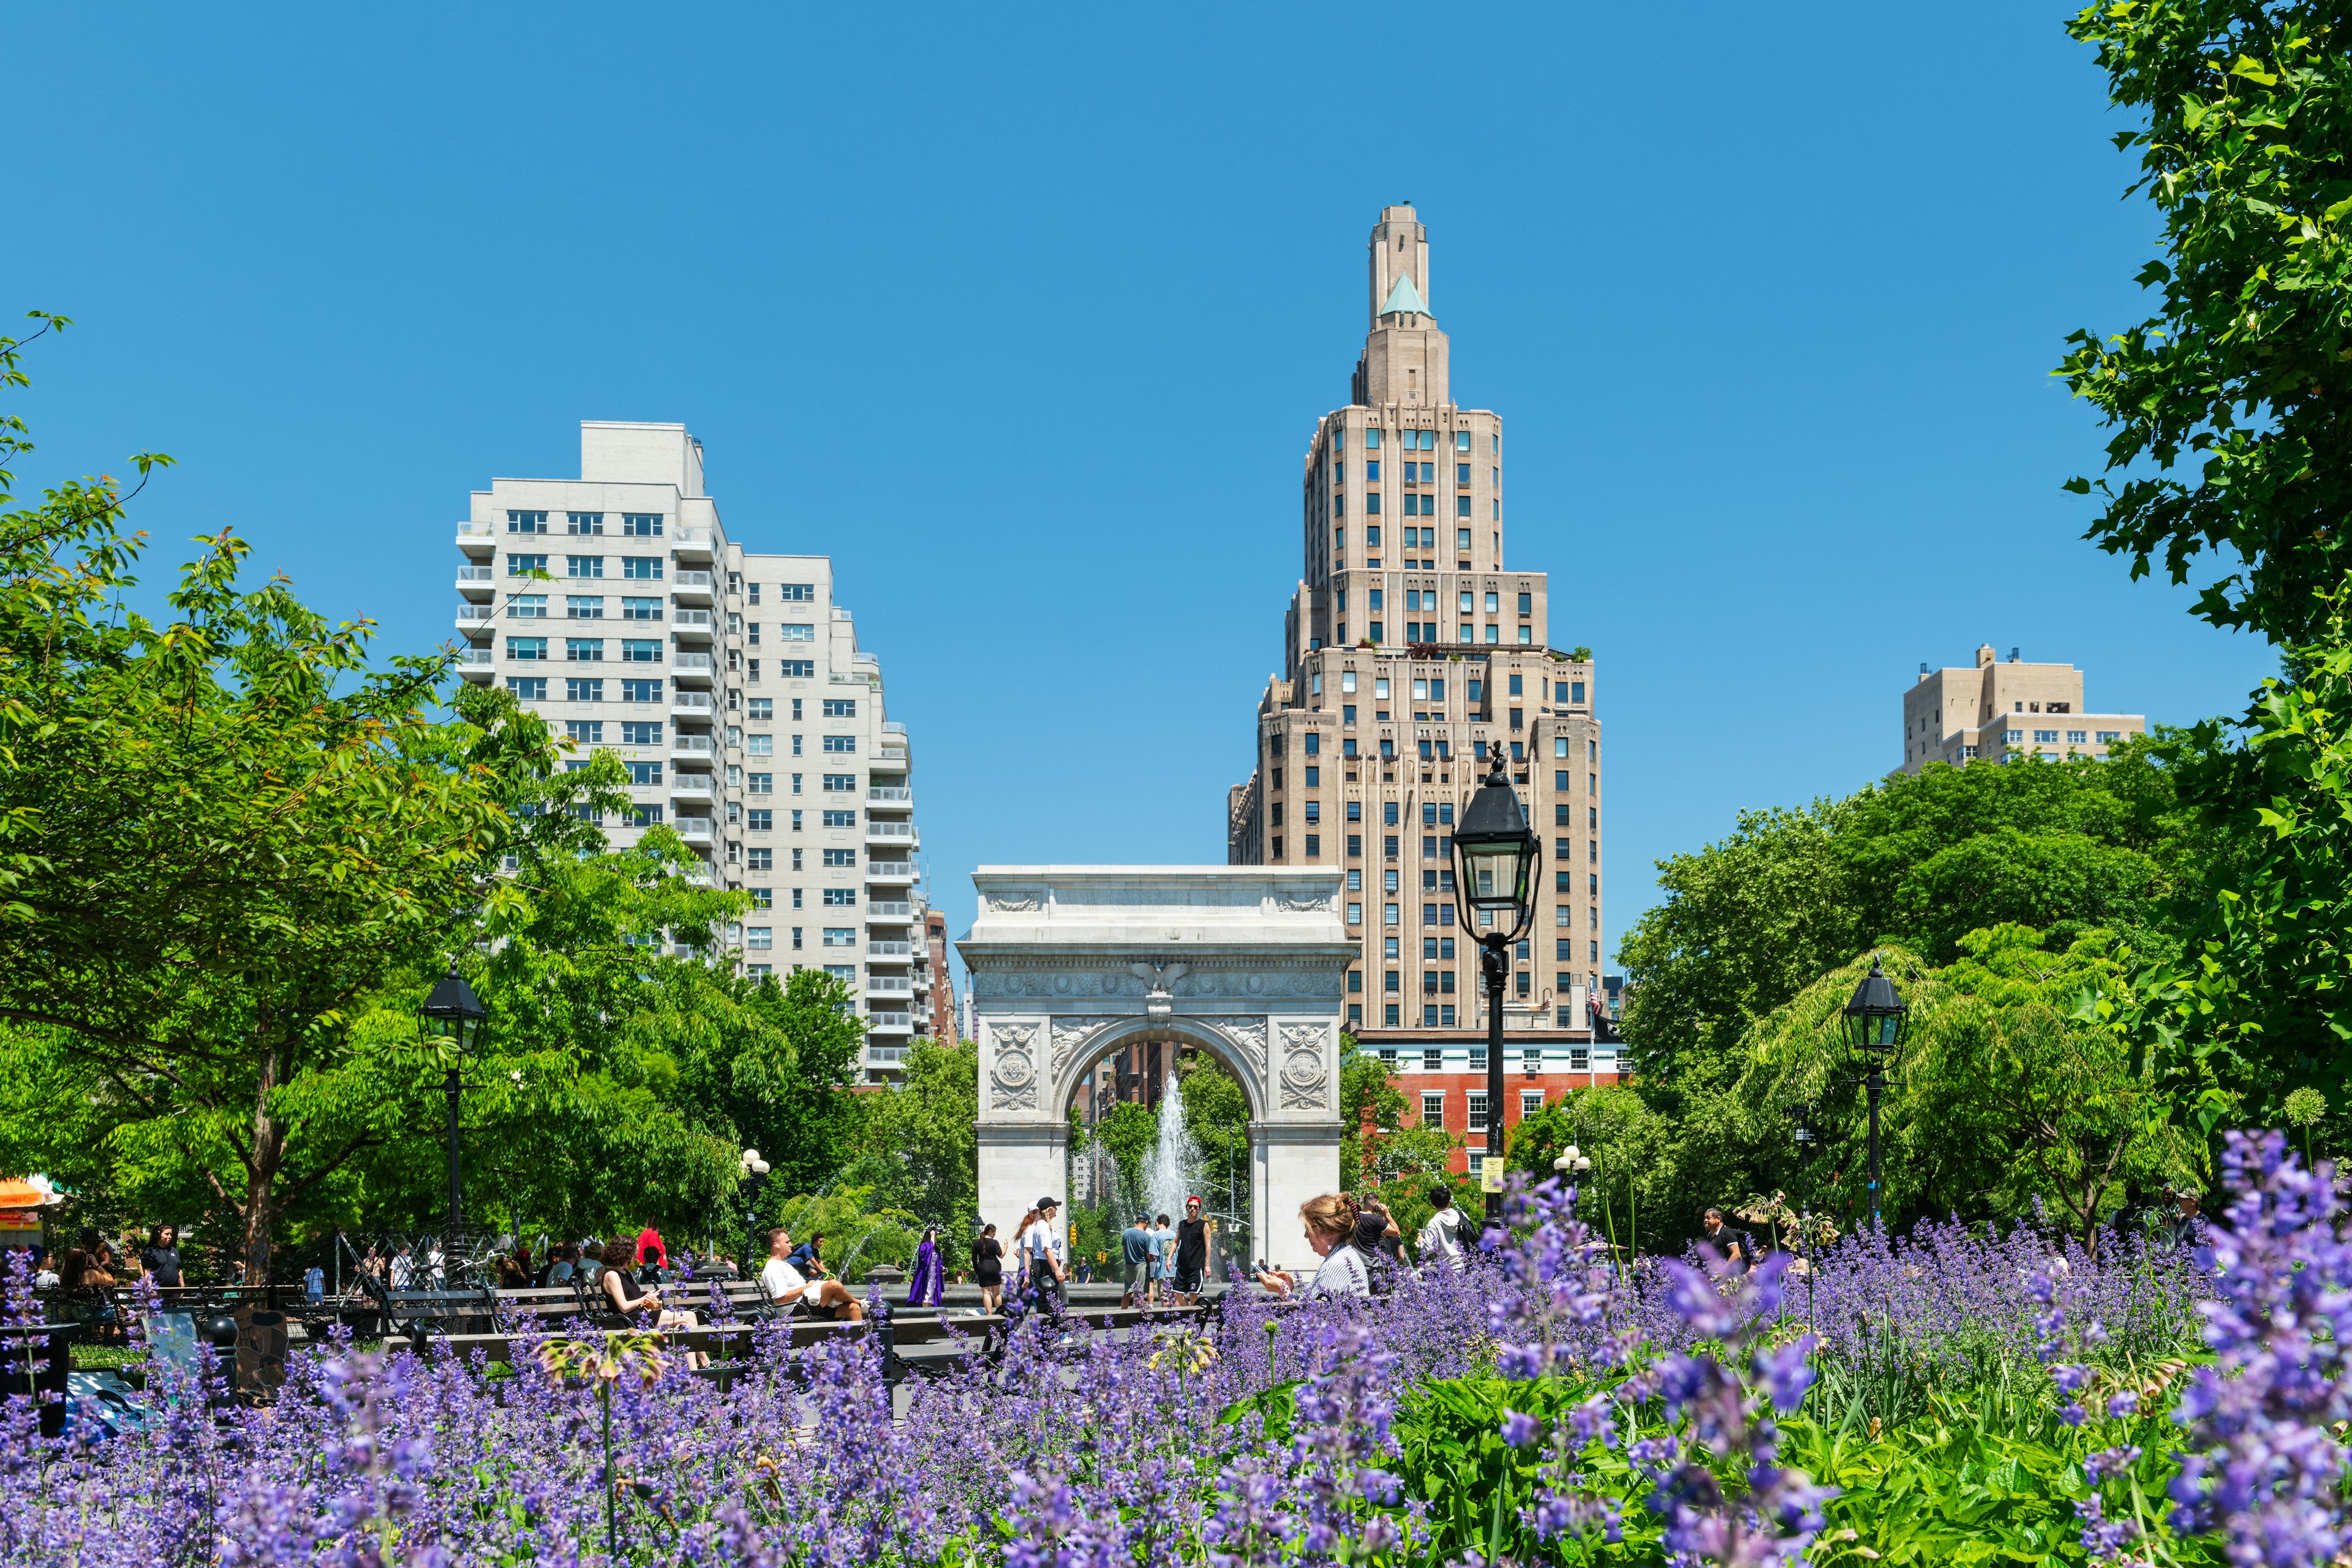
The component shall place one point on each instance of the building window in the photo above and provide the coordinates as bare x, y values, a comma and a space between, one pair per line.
583, 650
1355, 1015
1531, 1101
577, 690
586, 731
1391, 1010
841, 819
841, 897
526, 522
1477, 1108
1355, 914
526, 648
841, 746
2045, 737
527, 688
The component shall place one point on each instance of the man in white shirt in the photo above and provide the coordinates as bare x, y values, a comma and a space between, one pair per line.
788, 1287
1441, 1238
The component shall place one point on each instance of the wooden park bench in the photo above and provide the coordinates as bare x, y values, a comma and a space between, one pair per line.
902, 1329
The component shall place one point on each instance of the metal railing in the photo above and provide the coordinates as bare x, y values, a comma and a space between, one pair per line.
474, 656
892, 727
889, 948
690, 579
891, 755
475, 614
891, 1021
691, 783
697, 828
876, 910
691, 619
890, 871
891, 983
699, 745
691, 701
890, 830
477, 531
691, 661
473, 575
890, 793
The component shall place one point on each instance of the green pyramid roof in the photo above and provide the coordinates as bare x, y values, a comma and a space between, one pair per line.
1404, 296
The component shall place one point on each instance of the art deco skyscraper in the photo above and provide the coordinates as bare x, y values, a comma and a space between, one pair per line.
1409, 650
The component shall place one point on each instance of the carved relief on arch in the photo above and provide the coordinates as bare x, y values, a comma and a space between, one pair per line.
1068, 1035
1248, 1036
1012, 1075
1306, 1074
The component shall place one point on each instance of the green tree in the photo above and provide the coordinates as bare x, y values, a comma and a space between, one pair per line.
1916, 860
2229, 404
1367, 1097
1216, 1118
1743, 925
231, 830
923, 1134
1129, 1131
2231, 438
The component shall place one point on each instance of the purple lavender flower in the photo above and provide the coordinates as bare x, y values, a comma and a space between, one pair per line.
2264, 1471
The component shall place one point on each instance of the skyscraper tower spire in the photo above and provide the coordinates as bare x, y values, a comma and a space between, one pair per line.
1404, 358
1410, 656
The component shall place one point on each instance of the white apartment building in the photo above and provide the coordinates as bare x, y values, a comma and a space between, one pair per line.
731, 684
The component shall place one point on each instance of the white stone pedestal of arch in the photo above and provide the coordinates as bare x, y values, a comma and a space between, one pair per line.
1068, 963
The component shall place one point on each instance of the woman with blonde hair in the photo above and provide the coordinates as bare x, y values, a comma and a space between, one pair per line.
1330, 1222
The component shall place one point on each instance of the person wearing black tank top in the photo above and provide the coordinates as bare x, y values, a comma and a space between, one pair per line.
988, 1270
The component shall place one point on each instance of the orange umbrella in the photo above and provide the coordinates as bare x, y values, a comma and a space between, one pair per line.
19, 1195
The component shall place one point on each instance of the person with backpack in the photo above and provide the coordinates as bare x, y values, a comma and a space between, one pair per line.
1441, 1238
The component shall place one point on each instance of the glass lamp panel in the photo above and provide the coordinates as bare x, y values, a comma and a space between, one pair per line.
1495, 872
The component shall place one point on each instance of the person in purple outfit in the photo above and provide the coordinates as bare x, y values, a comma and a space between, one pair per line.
927, 1287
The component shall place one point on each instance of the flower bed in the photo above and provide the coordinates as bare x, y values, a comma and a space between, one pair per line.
1538, 1407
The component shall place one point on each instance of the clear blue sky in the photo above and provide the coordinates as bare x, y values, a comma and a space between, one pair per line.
1026, 316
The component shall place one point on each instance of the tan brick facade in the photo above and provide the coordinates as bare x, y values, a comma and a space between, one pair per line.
1409, 648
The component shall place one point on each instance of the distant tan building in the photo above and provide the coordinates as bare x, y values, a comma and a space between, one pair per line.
1997, 711
1408, 651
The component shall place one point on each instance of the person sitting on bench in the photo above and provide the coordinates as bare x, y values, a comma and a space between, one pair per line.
620, 1289
787, 1287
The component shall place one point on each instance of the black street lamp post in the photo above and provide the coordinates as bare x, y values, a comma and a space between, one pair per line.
454, 1014
1874, 1022
1495, 858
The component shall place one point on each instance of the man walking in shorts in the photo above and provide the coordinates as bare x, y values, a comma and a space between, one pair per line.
1191, 1253
1135, 1260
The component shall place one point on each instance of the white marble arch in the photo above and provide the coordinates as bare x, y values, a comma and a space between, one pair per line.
1067, 962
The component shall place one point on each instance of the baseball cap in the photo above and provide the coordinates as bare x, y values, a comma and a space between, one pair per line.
1049, 1203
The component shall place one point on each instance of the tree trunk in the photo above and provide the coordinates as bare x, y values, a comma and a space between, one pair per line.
268, 1152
